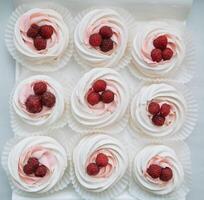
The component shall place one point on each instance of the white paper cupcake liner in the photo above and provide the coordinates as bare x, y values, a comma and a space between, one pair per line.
190, 119
66, 178
183, 153
24, 60
109, 193
129, 21
20, 128
183, 73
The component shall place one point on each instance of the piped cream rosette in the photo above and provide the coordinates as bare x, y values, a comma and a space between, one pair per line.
47, 118
110, 117
90, 23
49, 153
111, 179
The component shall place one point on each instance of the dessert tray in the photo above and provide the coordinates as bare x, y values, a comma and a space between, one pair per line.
138, 141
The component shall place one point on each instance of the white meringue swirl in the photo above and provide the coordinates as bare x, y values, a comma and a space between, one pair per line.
100, 115
163, 156
90, 24
161, 93
86, 152
56, 45
49, 153
143, 45
47, 116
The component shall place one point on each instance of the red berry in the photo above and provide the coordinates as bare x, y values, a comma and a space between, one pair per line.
46, 31
40, 87
107, 96
95, 40
167, 54
160, 42
165, 109
92, 169
106, 45
28, 169
48, 99
166, 174
99, 86
93, 98
156, 55
40, 43
158, 120
153, 108
101, 160
33, 162
41, 171
154, 171
106, 32
33, 31
33, 104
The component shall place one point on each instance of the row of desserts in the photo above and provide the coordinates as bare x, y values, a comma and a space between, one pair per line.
99, 102
41, 39
100, 167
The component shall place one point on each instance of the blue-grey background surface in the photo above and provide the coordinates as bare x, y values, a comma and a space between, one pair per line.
195, 23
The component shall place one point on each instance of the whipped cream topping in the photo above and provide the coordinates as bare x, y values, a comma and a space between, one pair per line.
143, 45
163, 156
100, 115
90, 24
49, 153
56, 45
48, 115
161, 93
86, 152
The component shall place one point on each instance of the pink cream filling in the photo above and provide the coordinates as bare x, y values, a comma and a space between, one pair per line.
147, 47
107, 171
44, 156
25, 92
116, 37
40, 19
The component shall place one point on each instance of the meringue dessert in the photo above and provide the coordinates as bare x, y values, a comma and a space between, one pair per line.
157, 170
158, 49
39, 101
41, 36
101, 38
100, 161
158, 110
99, 101
36, 164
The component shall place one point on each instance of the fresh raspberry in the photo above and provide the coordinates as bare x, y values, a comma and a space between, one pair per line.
153, 108
46, 31
99, 86
106, 32
33, 162
40, 43
40, 87
156, 55
33, 31
28, 169
167, 54
106, 45
107, 96
33, 104
154, 171
101, 160
95, 40
158, 120
166, 174
165, 109
93, 98
48, 99
41, 171
92, 169
160, 42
